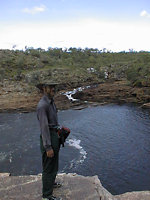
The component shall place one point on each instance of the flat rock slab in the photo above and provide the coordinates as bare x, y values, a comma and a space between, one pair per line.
75, 187
20, 188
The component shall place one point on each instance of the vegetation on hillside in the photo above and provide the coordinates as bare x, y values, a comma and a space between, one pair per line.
19, 64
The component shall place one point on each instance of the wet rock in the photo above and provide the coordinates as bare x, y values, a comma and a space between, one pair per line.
78, 95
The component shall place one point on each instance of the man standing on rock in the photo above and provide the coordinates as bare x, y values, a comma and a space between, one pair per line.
49, 141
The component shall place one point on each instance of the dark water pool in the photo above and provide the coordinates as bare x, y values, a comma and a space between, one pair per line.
110, 141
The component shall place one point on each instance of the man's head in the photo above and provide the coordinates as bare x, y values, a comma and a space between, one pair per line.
47, 88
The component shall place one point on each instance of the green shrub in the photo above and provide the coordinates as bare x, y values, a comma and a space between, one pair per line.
133, 66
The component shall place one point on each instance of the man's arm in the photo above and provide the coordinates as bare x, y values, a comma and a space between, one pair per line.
42, 117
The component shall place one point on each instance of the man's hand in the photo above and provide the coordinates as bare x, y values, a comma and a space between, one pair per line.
50, 153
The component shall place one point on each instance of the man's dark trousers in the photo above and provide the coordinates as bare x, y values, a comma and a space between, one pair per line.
50, 165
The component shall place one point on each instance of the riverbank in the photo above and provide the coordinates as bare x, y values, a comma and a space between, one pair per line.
74, 187
24, 98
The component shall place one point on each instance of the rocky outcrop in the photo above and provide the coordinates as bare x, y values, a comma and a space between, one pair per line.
114, 92
74, 187
146, 105
141, 195
24, 98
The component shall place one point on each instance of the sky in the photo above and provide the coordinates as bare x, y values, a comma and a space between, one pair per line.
112, 24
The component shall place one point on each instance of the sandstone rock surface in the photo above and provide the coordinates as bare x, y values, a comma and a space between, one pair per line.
146, 105
24, 98
74, 187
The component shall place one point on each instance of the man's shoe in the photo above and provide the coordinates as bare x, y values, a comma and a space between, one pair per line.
57, 185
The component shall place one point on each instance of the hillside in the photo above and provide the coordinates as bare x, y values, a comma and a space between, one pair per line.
20, 71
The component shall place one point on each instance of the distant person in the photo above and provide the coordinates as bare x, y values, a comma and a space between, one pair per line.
49, 140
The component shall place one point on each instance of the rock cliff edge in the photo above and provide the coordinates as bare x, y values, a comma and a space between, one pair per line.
74, 187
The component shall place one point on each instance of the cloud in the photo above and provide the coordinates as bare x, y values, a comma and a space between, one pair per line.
82, 33
34, 10
144, 13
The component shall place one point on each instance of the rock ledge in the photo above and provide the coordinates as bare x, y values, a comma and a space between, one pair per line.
74, 187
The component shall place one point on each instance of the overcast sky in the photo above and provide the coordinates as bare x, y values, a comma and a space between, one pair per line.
113, 24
